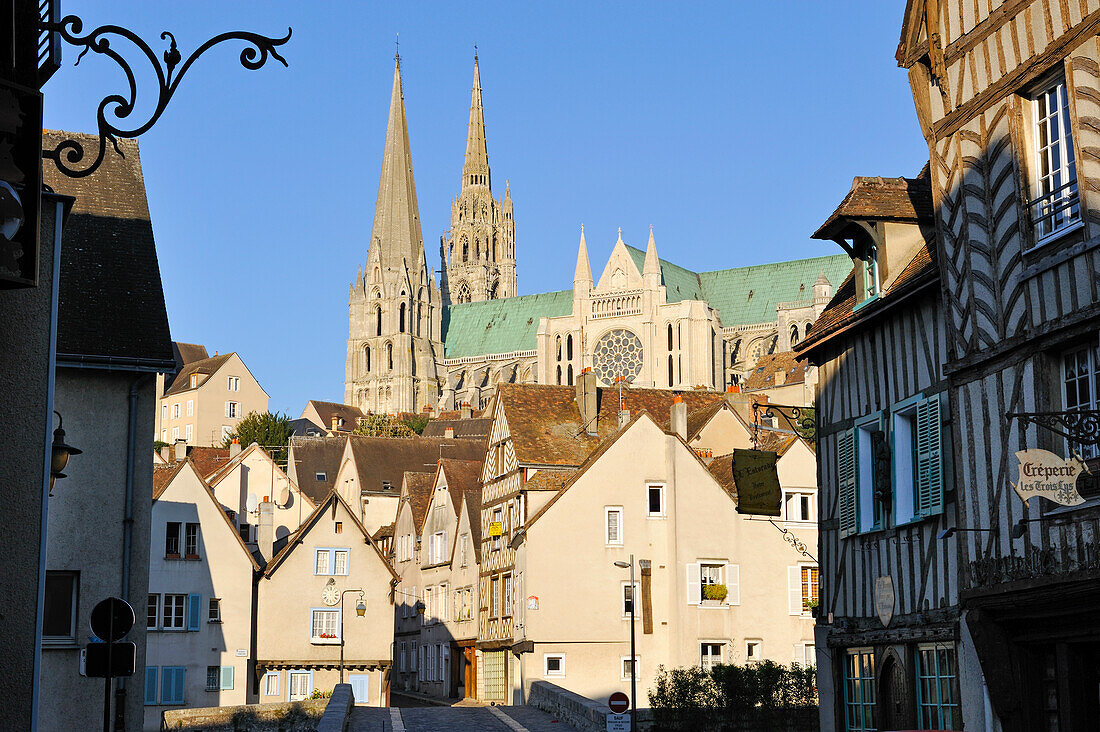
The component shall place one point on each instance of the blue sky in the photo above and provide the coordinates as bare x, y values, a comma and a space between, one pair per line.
733, 128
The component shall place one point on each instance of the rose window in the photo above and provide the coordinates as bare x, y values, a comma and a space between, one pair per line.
618, 353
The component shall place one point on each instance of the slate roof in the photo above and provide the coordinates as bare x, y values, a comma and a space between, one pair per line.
418, 487
680, 284
763, 374
545, 423
382, 459
880, 199
500, 326
313, 455
306, 428
476, 428
207, 366
110, 299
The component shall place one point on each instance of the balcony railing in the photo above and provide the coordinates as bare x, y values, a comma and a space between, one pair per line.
1056, 210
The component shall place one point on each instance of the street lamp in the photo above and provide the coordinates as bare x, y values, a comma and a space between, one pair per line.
59, 456
331, 596
633, 655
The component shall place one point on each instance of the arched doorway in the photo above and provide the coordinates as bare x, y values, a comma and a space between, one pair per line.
896, 705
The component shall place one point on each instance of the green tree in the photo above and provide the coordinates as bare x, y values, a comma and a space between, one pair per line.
383, 425
416, 422
270, 430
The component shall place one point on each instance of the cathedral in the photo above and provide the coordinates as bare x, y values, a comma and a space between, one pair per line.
415, 343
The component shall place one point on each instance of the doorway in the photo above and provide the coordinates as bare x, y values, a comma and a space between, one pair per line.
896, 703
299, 686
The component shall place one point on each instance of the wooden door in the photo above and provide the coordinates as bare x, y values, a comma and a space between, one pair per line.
896, 707
470, 679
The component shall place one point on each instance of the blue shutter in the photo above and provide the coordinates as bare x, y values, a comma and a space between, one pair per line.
181, 673
847, 503
194, 611
929, 457
227, 677
167, 675
150, 684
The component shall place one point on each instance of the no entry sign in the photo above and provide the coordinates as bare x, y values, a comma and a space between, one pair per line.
618, 702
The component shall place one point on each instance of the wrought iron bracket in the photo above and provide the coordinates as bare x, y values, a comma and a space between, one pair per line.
1079, 426
790, 538
70, 153
801, 419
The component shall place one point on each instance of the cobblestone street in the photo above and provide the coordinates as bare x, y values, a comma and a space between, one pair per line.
454, 719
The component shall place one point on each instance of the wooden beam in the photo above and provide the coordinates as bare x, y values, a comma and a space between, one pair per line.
993, 23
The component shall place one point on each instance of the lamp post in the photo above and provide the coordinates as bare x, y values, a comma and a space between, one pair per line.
633, 655
329, 596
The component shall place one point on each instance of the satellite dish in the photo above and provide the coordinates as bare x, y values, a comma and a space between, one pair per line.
252, 503
284, 497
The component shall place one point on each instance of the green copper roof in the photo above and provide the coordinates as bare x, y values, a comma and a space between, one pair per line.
500, 326
748, 295
680, 284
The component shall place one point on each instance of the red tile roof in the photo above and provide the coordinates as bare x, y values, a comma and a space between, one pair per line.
763, 374
880, 199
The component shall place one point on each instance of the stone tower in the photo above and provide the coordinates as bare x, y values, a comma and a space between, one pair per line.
394, 305
479, 257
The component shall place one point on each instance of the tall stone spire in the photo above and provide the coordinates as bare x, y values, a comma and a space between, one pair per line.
582, 276
396, 230
651, 270
475, 171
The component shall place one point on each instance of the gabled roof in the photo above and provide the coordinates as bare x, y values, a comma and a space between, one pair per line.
418, 491
763, 374
472, 502
187, 352
207, 366
296, 538
880, 199
475, 428
379, 460
222, 472
462, 476
168, 475
349, 416
545, 423
314, 455
208, 460
108, 262
548, 479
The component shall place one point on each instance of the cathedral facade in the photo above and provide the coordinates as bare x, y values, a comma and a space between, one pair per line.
415, 344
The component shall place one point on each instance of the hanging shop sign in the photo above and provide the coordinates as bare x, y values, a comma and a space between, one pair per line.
1046, 475
758, 491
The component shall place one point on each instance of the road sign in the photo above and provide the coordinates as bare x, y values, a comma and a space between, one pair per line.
618, 702
618, 723
110, 660
112, 619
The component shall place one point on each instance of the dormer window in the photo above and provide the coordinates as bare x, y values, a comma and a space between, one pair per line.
871, 282
387, 485
194, 380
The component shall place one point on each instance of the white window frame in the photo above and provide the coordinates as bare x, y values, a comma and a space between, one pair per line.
1090, 378
69, 637
610, 540
758, 644
233, 383
546, 672
175, 433
167, 622
332, 556
214, 610
154, 600
271, 683
232, 410
329, 615
794, 498
705, 659
1064, 175
464, 548
226, 431
623, 661
188, 432
622, 601
217, 678
190, 411
176, 410
663, 511
903, 439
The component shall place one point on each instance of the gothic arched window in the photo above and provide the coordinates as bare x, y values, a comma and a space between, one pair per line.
670, 338
419, 315
570, 373
401, 318
494, 290
670, 368
794, 335
463, 293
465, 249
558, 342
412, 359
559, 374
569, 351
366, 359
389, 355
378, 320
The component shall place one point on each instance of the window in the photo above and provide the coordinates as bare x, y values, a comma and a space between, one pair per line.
338, 527
325, 626
754, 651
187, 432
59, 610
330, 561
152, 612
494, 595
175, 433
507, 609
436, 543
937, 697
859, 690
245, 530
798, 507
442, 656
172, 684
214, 611
1056, 206
629, 667
496, 527
464, 548
466, 604
194, 380
173, 612
176, 411
553, 664
163, 412
271, 684
226, 431
191, 541
233, 383
321, 477
809, 588
213, 678
656, 495
870, 274
172, 540
801, 589
1081, 387
613, 522
628, 595
190, 407
807, 655
710, 655
710, 575
232, 409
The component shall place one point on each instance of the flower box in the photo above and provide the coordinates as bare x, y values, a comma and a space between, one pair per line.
715, 593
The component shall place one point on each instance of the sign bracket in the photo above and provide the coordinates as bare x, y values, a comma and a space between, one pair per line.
1079, 426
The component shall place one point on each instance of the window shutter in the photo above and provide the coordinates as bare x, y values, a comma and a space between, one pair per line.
846, 483
733, 584
194, 611
167, 676
694, 590
150, 684
227, 677
929, 458
178, 685
794, 590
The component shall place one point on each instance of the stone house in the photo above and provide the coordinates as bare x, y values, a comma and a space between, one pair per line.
412, 508
207, 398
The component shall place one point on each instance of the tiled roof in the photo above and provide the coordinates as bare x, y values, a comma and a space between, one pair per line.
384, 532
163, 475
748, 295
545, 423
473, 505
188, 352
110, 299
881, 199
721, 467
548, 480
840, 313
347, 414
419, 488
698, 419
313, 455
207, 366
386, 459
463, 476
763, 374
476, 428
208, 460
500, 326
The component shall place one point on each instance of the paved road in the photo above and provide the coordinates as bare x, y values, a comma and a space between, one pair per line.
454, 719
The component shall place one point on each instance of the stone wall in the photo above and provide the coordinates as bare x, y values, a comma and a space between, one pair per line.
300, 716
574, 709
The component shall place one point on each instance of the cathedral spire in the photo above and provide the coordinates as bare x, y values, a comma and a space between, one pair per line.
396, 229
651, 270
582, 276
475, 171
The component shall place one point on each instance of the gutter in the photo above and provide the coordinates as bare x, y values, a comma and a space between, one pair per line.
116, 363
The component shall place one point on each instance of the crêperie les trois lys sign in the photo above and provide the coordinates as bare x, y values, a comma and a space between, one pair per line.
1046, 475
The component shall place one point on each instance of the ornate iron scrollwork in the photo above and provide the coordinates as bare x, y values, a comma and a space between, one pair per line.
802, 420
790, 538
69, 153
1079, 426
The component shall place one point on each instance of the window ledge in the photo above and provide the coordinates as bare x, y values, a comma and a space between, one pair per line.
193, 558
325, 641
1056, 235
660, 516
60, 644
713, 603
865, 303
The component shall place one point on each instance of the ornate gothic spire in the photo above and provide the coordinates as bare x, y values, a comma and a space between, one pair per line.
651, 270
396, 229
475, 171
582, 276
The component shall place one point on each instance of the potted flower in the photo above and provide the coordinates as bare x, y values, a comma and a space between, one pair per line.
812, 606
715, 594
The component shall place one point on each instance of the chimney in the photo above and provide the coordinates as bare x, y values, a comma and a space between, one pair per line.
780, 378
234, 448
335, 422
624, 416
467, 411
586, 400
166, 453
181, 449
449, 433
679, 417
733, 389
265, 530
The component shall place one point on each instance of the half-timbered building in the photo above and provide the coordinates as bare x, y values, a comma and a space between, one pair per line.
1008, 99
888, 631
